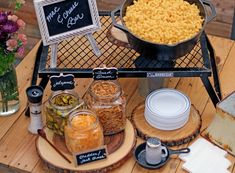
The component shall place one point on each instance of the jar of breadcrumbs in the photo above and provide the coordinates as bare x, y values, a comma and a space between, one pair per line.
105, 98
83, 131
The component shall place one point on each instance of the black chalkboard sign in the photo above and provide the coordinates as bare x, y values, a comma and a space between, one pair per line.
105, 73
60, 19
66, 16
62, 82
91, 156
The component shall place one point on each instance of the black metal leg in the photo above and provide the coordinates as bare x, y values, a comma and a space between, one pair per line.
36, 65
214, 98
214, 69
44, 82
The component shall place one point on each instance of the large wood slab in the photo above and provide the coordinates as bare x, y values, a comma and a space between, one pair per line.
115, 159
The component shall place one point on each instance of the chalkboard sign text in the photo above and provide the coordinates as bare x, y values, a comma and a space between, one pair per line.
91, 156
62, 82
105, 73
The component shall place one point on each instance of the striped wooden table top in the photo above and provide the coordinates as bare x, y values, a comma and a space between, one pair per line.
17, 145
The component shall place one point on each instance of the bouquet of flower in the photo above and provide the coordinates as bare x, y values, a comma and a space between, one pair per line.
12, 41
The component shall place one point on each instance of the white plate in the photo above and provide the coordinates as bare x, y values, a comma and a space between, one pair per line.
168, 103
162, 126
160, 119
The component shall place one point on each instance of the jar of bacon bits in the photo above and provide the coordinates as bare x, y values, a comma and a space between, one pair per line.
83, 131
58, 107
105, 98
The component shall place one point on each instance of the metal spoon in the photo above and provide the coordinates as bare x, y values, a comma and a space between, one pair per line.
43, 135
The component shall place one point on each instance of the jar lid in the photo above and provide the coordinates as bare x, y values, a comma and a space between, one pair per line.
153, 142
34, 93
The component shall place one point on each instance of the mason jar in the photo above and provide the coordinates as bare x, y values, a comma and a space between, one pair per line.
105, 98
58, 107
83, 131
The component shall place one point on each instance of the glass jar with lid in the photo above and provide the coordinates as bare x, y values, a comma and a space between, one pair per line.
58, 107
83, 131
105, 98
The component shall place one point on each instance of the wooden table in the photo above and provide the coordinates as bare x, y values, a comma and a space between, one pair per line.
17, 145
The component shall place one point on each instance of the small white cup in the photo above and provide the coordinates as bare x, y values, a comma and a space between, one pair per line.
155, 152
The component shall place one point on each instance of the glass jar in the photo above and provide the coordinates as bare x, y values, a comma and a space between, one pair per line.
9, 94
106, 100
83, 131
58, 107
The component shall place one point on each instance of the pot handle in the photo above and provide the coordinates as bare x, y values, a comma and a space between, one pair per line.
180, 151
113, 13
213, 11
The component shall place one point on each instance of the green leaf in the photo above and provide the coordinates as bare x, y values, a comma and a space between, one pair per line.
6, 60
18, 5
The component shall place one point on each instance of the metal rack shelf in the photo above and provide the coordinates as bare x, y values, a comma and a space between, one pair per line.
75, 57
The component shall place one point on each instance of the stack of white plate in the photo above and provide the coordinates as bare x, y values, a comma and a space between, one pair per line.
167, 109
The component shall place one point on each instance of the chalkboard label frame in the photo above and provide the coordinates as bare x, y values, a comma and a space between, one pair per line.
48, 39
91, 155
62, 82
105, 73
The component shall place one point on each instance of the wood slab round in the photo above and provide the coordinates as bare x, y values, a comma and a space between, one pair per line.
117, 37
169, 137
54, 161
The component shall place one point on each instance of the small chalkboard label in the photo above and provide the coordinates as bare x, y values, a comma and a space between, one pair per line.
105, 73
91, 156
62, 82
62, 19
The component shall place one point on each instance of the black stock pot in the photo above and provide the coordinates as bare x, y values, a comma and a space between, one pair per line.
166, 52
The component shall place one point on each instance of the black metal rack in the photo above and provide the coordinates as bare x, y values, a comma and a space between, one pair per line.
75, 57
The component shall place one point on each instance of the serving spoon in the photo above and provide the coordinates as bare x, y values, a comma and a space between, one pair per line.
43, 135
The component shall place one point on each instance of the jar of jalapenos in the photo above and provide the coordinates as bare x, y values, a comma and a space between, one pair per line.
58, 107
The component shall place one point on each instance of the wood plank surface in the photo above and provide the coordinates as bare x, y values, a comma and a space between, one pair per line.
17, 147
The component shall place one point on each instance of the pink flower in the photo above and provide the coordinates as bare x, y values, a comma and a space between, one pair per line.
22, 38
20, 23
11, 44
20, 52
13, 18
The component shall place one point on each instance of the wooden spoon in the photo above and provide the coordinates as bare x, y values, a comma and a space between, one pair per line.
43, 135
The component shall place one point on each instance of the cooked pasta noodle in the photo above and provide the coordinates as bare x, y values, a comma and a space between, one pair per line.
163, 21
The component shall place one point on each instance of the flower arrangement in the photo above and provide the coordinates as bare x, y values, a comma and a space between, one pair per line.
12, 43
12, 40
